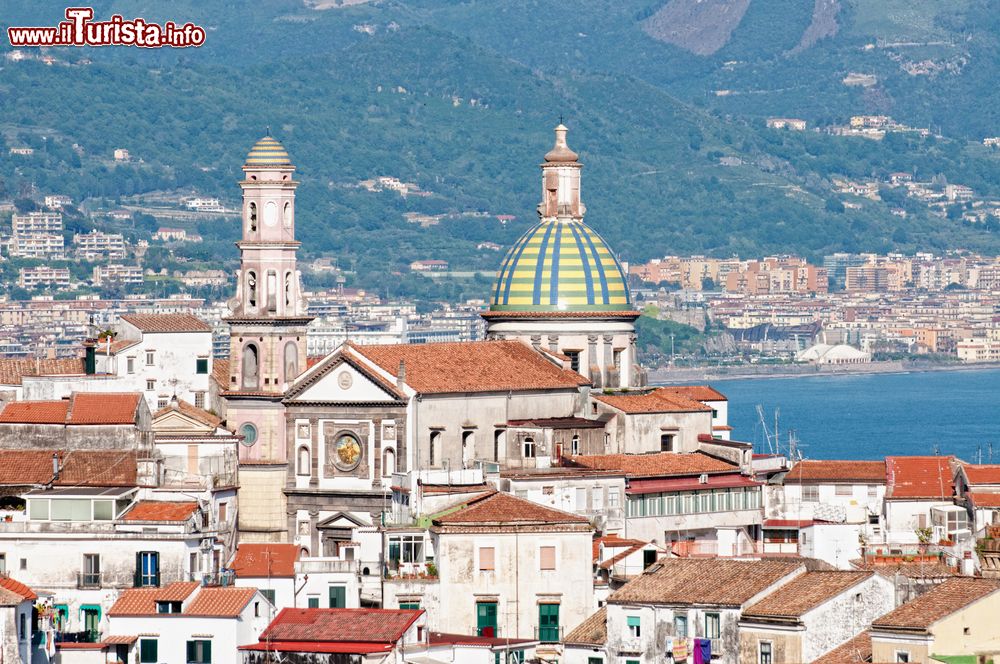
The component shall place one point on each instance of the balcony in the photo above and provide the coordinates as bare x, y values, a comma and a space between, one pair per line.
320, 565
88, 580
420, 570
549, 634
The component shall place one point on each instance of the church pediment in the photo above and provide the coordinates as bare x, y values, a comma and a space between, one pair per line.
336, 379
177, 423
341, 520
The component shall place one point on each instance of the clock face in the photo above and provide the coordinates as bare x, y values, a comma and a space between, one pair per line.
348, 452
249, 433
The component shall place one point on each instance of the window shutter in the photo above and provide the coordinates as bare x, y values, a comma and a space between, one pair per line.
154, 567
206, 651
191, 651
547, 557
137, 581
486, 558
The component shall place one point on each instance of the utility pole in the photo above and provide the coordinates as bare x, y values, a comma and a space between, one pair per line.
671, 349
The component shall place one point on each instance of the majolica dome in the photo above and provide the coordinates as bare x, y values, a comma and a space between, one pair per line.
267, 152
560, 265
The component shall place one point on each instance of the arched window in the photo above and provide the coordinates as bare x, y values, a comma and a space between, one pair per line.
388, 462
252, 215
529, 447
574, 445
270, 214
303, 552
468, 447
288, 292
251, 363
291, 361
286, 215
497, 441
272, 290
435, 439
252, 288
305, 461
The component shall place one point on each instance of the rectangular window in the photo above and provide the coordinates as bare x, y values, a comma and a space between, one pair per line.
810, 494
547, 557
487, 560
71, 509
412, 606
3, 563
199, 399
548, 623
581, 499
201, 365
667, 442
712, 626
574, 359
91, 570
38, 509
338, 597
765, 653
614, 498
268, 594
130, 368
681, 626
199, 652
222, 513
313, 602
872, 491
902, 656
843, 490
150, 385
147, 569
150, 358
162, 402
407, 548
634, 627
148, 651
163, 606
22, 628
104, 510
595, 660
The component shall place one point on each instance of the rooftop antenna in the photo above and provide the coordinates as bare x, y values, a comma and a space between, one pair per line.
936, 449
267, 130
560, 118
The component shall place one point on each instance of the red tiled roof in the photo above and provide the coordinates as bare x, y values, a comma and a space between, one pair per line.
16, 587
982, 474
265, 560
660, 400
156, 510
592, 631
192, 411
220, 602
662, 464
697, 392
167, 323
383, 626
919, 477
12, 370
500, 508
690, 483
325, 647
35, 412
442, 638
474, 366
77, 468
804, 593
856, 651
70, 645
704, 581
220, 372
142, 601
984, 499
787, 523
859, 472
104, 407
909, 570
940, 601
119, 639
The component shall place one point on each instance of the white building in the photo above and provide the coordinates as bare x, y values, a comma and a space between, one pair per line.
114, 273
37, 222
16, 604
97, 245
33, 277
37, 245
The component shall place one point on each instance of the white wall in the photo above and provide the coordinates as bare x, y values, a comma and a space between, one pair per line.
846, 615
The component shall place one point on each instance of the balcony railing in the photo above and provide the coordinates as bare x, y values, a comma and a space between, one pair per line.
84, 636
549, 634
326, 566
88, 580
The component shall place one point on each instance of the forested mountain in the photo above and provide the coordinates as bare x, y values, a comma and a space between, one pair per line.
460, 98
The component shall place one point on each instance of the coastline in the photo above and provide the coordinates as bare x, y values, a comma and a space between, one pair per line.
665, 376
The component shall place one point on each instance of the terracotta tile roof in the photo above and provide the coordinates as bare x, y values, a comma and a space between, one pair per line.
982, 474
704, 581
77, 468
16, 587
443, 638
119, 639
856, 651
474, 366
220, 373
157, 510
919, 477
858, 472
220, 602
12, 370
660, 400
265, 560
355, 625
625, 314
984, 499
591, 632
940, 601
104, 407
346, 355
499, 509
661, 464
697, 392
8, 598
35, 412
911, 570
167, 323
142, 601
192, 411
804, 593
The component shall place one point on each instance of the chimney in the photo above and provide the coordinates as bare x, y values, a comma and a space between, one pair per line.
55, 466
401, 374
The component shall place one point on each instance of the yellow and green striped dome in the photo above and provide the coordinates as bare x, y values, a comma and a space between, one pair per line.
267, 152
560, 265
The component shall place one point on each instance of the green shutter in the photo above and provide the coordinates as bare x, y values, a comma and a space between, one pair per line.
634, 621
548, 623
268, 595
206, 652
191, 654
314, 602
148, 651
486, 619
338, 597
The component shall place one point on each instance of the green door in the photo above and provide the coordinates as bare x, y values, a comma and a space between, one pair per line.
314, 602
91, 620
338, 597
486, 619
548, 623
